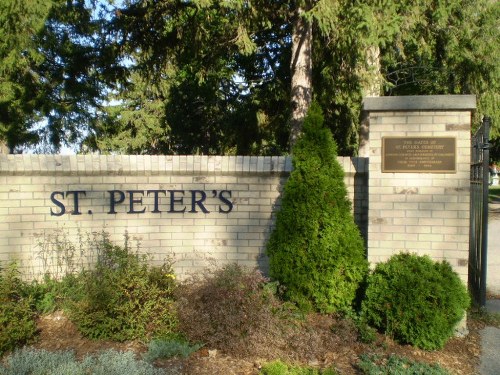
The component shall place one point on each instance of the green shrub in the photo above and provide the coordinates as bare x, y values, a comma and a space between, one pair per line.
42, 362
50, 294
366, 333
316, 250
123, 298
416, 300
281, 368
394, 365
227, 308
17, 318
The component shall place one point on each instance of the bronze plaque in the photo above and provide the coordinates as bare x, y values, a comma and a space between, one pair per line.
419, 154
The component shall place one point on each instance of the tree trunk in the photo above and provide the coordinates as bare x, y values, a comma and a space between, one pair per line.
4, 148
373, 88
301, 75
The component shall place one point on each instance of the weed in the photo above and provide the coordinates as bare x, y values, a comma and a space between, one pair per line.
60, 256
487, 318
51, 294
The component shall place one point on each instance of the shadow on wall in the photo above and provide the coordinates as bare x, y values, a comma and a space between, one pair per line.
360, 199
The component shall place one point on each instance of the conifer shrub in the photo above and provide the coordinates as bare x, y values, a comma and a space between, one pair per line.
123, 298
416, 300
17, 317
316, 250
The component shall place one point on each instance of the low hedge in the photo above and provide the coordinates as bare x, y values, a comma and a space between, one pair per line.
416, 300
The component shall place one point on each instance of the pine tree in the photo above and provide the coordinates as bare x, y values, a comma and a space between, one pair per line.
316, 250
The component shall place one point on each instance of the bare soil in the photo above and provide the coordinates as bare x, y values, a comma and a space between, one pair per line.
460, 355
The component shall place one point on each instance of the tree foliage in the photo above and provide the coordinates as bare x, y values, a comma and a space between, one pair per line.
19, 21
447, 47
50, 78
217, 77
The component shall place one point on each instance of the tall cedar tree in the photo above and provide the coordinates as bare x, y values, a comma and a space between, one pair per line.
316, 250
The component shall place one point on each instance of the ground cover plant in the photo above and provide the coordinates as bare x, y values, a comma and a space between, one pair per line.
281, 368
169, 347
316, 251
416, 300
395, 365
109, 362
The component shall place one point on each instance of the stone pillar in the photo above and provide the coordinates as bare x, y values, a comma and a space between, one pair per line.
419, 176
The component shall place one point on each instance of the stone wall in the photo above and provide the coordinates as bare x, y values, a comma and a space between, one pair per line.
195, 209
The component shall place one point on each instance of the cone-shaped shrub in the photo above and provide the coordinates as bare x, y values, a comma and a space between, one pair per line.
416, 300
316, 250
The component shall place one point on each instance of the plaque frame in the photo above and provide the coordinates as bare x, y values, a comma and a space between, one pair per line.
428, 154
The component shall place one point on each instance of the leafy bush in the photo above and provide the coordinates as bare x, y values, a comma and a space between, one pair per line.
123, 298
394, 365
17, 318
167, 348
41, 362
51, 294
316, 250
280, 368
224, 308
365, 332
416, 300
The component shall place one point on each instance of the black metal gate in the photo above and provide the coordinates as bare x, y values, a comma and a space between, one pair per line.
478, 240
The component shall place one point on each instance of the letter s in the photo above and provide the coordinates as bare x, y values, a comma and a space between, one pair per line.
57, 203
225, 200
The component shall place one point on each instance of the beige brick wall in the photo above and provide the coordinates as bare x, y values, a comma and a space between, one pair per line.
424, 213
29, 232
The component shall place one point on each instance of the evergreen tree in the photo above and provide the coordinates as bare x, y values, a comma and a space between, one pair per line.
316, 250
52, 83
19, 56
446, 47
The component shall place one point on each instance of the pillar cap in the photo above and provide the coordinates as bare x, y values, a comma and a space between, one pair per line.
420, 102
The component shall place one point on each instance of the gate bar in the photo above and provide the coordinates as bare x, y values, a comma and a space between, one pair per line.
484, 229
